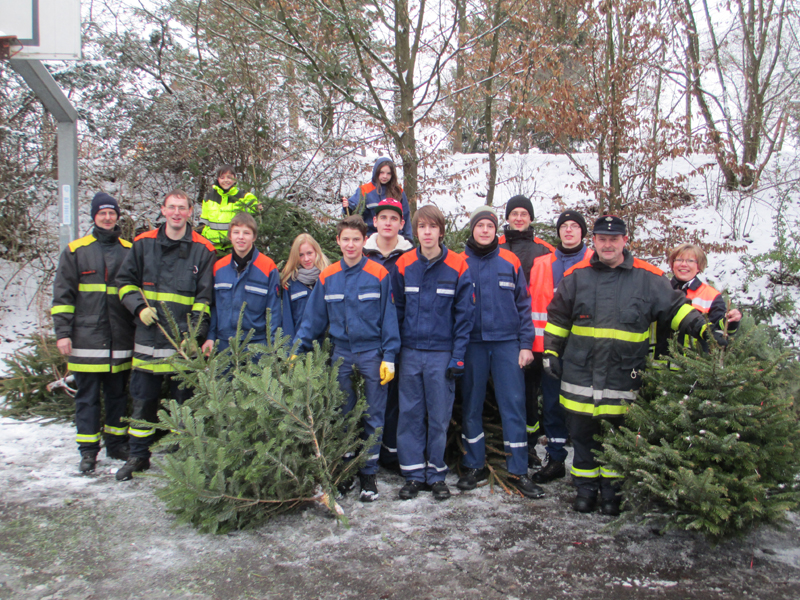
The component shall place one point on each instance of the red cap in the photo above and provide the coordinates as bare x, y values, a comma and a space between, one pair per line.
391, 204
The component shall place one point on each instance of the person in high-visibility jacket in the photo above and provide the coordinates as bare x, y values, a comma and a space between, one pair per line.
687, 261
546, 274
596, 341
221, 204
167, 268
95, 331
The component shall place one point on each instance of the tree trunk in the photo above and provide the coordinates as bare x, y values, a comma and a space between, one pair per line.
458, 121
487, 108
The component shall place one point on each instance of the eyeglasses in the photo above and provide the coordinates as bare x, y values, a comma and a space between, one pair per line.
687, 261
172, 208
569, 226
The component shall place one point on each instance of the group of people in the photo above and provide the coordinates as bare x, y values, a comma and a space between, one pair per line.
574, 322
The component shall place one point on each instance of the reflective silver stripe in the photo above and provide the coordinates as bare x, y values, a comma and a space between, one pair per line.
218, 226
538, 316
299, 295
121, 353
539, 330
334, 297
507, 284
473, 440
445, 292
515, 444
588, 392
223, 286
438, 469
349, 455
702, 303
373, 457
557, 440
412, 467
81, 353
412, 289
257, 290
392, 450
370, 296
155, 353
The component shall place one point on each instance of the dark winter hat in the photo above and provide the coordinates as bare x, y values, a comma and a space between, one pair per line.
102, 200
572, 215
481, 213
519, 202
609, 225
390, 204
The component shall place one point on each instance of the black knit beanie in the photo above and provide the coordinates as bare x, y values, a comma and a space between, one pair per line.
102, 200
572, 215
519, 202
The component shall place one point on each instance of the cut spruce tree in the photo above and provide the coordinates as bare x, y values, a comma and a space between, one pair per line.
713, 444
262, 434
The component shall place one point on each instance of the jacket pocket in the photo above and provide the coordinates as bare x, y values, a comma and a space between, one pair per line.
369, 309
335, 305
445, 296
255, 294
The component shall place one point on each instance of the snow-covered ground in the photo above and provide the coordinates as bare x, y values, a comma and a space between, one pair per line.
67, 536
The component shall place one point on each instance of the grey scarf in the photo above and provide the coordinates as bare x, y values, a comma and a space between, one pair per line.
308, 277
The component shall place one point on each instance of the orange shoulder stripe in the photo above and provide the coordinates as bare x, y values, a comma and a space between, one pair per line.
579, 265
456, 262
502, 239
147, 234
375, 269
643, 264
332, 270
409, 258
222, 262
367, 188
547, 245
265, 264
511, 257
199, 239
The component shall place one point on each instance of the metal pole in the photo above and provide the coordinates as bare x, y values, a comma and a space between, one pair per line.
57, 104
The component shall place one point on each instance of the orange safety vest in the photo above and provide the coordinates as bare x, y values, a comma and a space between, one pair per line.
702, 297
541, 290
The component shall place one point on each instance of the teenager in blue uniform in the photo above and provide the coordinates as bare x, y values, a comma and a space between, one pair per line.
354, 298
299, 276
384, 184
500, 343
385, 247
433, 295
245, 275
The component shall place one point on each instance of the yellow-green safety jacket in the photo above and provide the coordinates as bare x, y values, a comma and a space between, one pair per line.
86, 307
219, 208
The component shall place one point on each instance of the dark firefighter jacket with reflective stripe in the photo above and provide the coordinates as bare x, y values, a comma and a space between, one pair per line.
176, 274
219, 208
86, 307
599, 321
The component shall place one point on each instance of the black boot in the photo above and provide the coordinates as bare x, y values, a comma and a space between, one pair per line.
132, 465
527, 488
533, 459
554, 469
471, 477
583, 504
88, 461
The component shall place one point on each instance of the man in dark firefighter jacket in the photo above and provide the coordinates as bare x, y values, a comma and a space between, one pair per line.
95, 331
171, 267
597, 339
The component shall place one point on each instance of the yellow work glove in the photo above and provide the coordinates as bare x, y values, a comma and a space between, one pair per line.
387, 372
148, 316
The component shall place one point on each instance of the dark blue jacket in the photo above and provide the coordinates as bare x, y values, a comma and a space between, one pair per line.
258, 285
434, 302
295, 298
356, 303
502, 303
370, 194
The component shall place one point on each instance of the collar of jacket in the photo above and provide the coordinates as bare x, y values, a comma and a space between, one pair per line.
429, 263
168, 241
371, 247
223, 194
358, 265
514, 235
470, 252
627, 261
677, 284
106, 236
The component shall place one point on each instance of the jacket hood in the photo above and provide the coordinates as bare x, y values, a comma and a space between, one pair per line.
372, 245
377, 167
